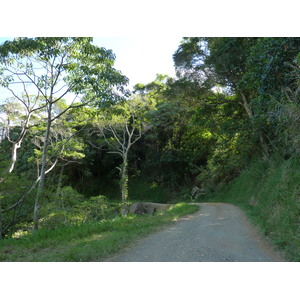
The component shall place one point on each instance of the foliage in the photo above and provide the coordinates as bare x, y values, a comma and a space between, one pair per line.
98, 208
121, 127
196, 135
289, 117
255, 69
142, 189
15, 203
68, 207
257, 113
68, 197
85, 68
51, 68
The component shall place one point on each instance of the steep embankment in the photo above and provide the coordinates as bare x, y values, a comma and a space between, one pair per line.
270, 194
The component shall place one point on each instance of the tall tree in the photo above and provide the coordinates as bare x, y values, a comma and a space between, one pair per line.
254, 69
51, 69
216, 61
121, 127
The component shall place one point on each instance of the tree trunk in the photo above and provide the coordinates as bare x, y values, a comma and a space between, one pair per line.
124, 180
246, 106
124, 184
15, 147
42, 172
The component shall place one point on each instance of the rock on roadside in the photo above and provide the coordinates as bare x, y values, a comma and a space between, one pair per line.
141, 208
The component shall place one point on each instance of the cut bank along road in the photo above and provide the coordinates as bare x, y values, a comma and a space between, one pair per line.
219, 232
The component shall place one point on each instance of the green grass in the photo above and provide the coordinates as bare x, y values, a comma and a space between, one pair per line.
88, 242
269, 192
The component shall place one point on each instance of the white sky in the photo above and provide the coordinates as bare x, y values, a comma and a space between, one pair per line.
141, 58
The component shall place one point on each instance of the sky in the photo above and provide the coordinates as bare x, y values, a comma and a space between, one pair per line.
140, 58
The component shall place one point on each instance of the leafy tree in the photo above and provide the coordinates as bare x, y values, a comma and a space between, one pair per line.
52, 68
254, 69
121, 127
269, 75
288, 113
220, 61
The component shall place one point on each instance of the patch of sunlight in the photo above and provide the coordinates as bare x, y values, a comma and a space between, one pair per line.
204, 214
187, 218
153, 185
206, 134
94, 237
20, 233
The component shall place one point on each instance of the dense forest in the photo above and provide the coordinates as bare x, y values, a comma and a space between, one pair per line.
77, 146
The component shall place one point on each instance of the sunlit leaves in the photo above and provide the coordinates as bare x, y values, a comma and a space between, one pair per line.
46, 62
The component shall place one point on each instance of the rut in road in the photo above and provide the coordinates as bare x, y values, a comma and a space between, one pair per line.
219, 232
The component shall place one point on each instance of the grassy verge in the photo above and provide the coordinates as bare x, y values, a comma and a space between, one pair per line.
88, 242
269, 193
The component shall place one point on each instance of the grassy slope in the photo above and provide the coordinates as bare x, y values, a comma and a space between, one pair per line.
269, 192
88, 242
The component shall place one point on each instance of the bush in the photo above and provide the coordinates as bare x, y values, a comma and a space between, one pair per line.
60, 211
74, 209
68, 197
60, 218
16, 204
97, 208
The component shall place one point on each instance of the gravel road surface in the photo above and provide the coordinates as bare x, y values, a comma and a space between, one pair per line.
219, 232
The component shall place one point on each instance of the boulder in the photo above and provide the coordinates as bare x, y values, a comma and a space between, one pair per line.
141, 208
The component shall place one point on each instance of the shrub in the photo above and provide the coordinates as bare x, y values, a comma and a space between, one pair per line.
60, 218
97, 208
68, 197
75, 209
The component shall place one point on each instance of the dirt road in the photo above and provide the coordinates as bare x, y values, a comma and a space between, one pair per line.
219, 232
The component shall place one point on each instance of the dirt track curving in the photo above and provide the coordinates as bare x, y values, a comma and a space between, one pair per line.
219, 232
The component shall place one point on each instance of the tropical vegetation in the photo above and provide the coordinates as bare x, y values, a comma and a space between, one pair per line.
77, 146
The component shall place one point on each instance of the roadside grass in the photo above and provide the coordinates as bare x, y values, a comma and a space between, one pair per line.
90, 241
269, 193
